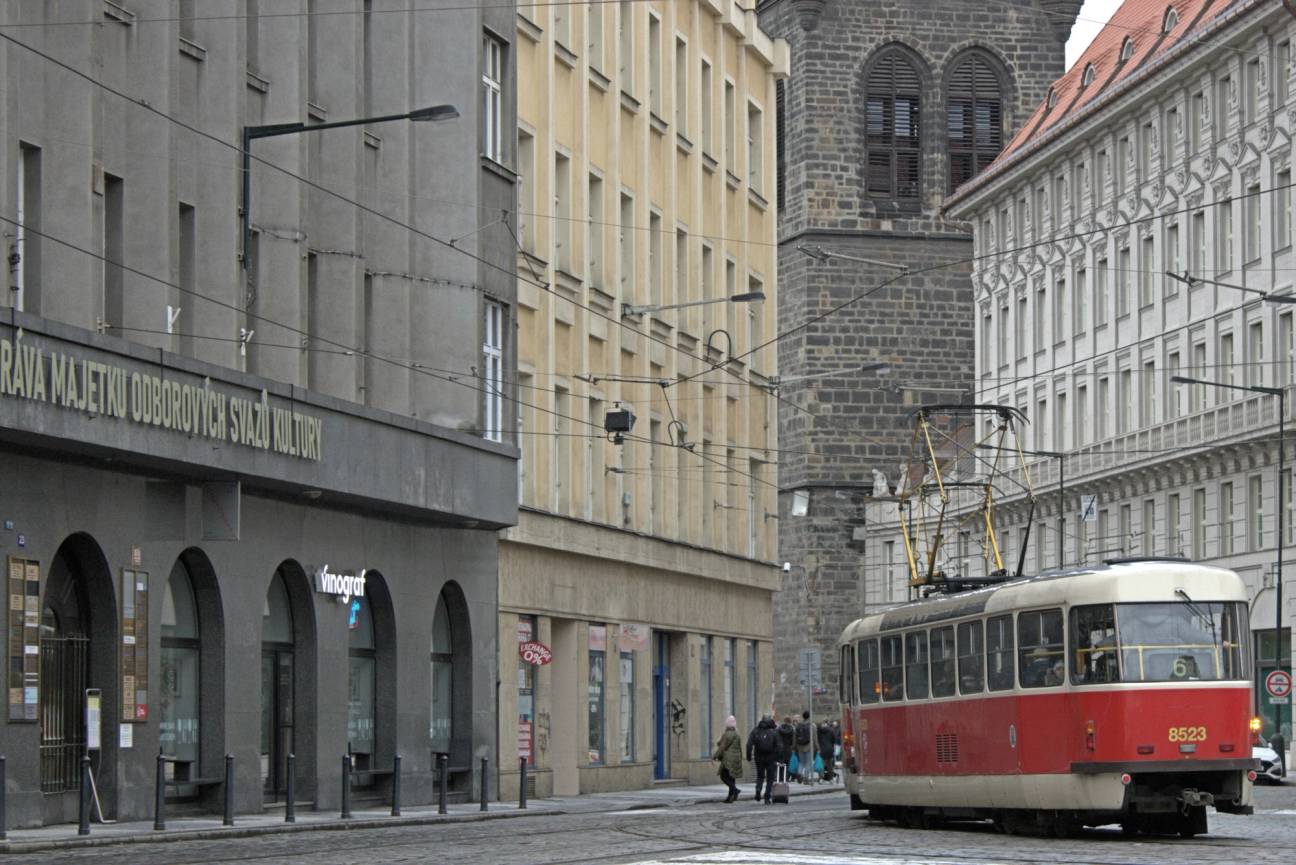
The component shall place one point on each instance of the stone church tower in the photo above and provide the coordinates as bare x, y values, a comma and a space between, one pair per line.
890, 104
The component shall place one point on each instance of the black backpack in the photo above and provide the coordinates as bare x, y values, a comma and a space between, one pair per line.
765, 741
803, 733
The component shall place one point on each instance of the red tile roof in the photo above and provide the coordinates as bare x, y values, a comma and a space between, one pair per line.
1141, 22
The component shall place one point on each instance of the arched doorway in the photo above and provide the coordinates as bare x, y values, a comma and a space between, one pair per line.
450, 727
372, 698
191, 694
287, 679
77, 652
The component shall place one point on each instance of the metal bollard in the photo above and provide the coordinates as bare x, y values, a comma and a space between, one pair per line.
159, 800
483, 783
346, 786
396, 786
522, 772
83, 809
3, 832
443, 783
290, 807
229, 790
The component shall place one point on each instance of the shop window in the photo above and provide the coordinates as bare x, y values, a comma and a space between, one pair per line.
363, 684
595, 692
178, 724
526, 696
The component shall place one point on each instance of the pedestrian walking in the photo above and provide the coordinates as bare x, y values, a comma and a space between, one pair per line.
805, 748
825, 736
787, 738
762, 749
729, 752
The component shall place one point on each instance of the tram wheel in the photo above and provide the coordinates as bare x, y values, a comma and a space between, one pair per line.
857, 804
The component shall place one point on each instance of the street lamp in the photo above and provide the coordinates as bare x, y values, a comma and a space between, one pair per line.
1281, 393
628, 309
272, 130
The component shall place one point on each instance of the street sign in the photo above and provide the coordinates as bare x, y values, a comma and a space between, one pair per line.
1089, 508
811, 667
1279, 685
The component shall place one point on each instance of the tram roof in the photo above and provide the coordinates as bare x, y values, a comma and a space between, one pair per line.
1115, 582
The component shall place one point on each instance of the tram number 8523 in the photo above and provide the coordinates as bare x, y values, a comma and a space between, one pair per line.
1187, 734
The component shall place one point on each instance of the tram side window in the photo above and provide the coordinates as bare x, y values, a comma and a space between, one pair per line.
1040, 648
1093, 634
892, 669
916, 674
971, 658
942, 662
847, 677
999, 653
869, 687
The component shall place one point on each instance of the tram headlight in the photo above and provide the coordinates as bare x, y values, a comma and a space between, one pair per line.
1254, 725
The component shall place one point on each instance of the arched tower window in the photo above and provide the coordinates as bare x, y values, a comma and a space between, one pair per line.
1170, 20
892, 128
1127, 49
974, 111
1090, 73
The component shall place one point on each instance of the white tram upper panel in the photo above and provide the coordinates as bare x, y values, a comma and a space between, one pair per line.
1119, 582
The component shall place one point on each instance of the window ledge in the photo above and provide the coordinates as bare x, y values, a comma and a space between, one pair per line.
709, 162
257, 83
529, 28
496, 168
192, 49
117, 12
629, 103
757, 199
658, 125
371, 140
599, 80
565, 55
732, 179
316, 112
683, 144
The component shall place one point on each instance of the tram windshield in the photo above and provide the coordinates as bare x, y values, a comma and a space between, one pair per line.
1161, 642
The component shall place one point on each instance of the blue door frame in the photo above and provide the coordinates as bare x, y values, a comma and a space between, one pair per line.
661, 706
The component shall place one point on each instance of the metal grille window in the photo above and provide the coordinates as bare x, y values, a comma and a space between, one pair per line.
493, 372
493, 101
892, 125
974, 115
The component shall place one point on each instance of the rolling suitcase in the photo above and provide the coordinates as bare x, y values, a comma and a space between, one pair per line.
779, 789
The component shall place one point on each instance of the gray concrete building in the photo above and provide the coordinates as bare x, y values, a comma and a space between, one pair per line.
252, 483
888, 107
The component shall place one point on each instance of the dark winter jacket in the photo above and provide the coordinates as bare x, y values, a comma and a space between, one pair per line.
757, 736
826, 739
787, 738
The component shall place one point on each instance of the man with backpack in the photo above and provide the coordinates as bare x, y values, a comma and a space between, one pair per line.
827, 746
762, 749
805, 748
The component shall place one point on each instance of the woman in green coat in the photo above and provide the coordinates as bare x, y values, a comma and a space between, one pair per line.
729, 753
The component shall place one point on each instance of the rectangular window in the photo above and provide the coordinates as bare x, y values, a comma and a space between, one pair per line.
731, 128
730, 707
1255, 513
1197, 393
1095, 655
114, 250
1082, 416
892, 669
1174, 392
627, 707
1124, 401
683, 289
626, 251
1281, 73
705, 695
1124, 528
971, 658
753, 683
1200, 242
942, 662
1148, 395
562, 213
870, 687
1019, 327
493, 98
1101, 304
1061, 425
562, 25
987, 328
1145, 152
1222, 87
1041, 306
1000, 671
1251, 96
186, 279
1198, 103
1102, 408
1104, 172
1148, 529
493, 372
560, 450
1170, 259
1224, 237
594, 34
1282, 207
654, 65
681, 87
916, 670
1224, 363
1199, 524
655, 259
755, 149
1081, 300
27, 244
625, 38
594, 691
1040, 648
1171, 133
1060, 311
1122, 165
1226, 517
708, 145
1253, 226
1283, 350
594, 234
1255, 354
1147, 267
1123, 281
526, 191
1172, 524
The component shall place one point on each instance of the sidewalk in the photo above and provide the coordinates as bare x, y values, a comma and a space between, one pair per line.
247, 825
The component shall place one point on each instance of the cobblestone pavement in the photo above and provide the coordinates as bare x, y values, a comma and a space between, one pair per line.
816, 830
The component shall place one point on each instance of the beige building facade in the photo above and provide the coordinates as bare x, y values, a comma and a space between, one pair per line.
646, 164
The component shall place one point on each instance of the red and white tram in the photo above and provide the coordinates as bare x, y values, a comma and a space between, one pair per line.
1118, 694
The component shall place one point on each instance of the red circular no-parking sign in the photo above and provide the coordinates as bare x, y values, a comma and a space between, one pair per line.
1278, 684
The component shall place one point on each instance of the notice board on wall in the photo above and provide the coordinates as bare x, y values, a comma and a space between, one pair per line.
24, 590
134, 646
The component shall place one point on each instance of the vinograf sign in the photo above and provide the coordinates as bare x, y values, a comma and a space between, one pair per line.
32, 372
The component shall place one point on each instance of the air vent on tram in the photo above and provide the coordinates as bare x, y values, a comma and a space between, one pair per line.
947, 748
